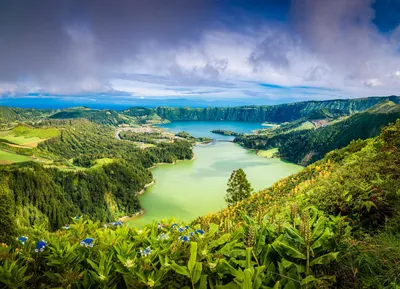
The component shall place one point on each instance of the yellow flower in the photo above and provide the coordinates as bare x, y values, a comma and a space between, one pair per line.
150, 283
129, 263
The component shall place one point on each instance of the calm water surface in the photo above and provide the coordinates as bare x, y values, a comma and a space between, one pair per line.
190, 189
203, 128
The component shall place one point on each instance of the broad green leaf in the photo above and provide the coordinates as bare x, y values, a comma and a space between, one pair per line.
318, 229
277, 285
196, 274
247, 284
322, 240
227, 248
307, 280
294, 235
234, 253
286, 263
180, 269
203, 282
239, 275
193, 256
231, 285
249, 256
258, 277
213, 228
223, 239
286, 250
290, 285
324, 259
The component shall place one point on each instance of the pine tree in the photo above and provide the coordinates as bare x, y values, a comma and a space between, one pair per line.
239, 187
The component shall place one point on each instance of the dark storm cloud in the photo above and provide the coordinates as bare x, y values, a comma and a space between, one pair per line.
54, 41
151, 46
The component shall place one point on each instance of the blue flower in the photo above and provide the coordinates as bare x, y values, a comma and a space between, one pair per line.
66, 227
163, 236
181, 230
187, 227
40, 246
174, 225
159, 226
23, 239
116, 224
184, 238
88, 242
200, 232
145, 252
77, 218
191, 234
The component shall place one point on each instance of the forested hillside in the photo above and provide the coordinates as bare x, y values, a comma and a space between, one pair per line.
333, 225
92, 174
273, 113
138, 115
105, 117
305, 145
9, 115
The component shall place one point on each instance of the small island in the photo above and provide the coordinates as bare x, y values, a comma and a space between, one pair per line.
225, 132
185, 135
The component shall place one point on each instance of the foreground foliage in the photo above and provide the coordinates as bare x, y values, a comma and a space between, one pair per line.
256, 255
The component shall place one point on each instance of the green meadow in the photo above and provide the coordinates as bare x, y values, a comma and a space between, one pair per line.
26, 136
8, 158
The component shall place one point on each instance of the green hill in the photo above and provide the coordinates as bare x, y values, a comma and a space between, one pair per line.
81, 179
333, 225
9, 115
274, 113
105, 117
307, 145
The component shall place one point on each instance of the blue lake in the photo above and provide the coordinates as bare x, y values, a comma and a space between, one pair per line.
203, 128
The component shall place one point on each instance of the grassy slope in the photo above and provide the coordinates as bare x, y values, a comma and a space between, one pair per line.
8, 158
367, 170
339, 134
28, 136
305, 141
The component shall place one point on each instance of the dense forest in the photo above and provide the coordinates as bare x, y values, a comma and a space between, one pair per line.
139, 115
335, 224
273, 113
101, 182
305, 146
225, 132
38, 195
145, 137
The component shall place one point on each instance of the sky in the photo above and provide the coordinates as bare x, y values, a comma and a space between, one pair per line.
200, 49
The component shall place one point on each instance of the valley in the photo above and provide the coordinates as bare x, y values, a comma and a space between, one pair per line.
136, 176
184, 144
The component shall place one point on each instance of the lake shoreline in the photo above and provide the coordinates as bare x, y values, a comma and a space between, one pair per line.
177, 161
145, 187
141, 193
125, 219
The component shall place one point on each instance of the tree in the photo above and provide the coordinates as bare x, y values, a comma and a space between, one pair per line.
7, 224
239, 187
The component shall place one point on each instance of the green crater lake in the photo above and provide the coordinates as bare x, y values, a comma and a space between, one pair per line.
189, 189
